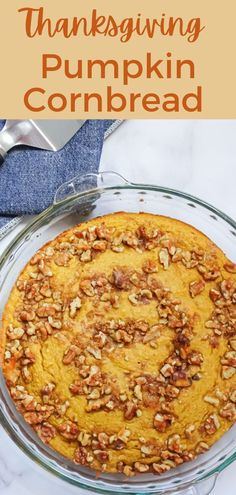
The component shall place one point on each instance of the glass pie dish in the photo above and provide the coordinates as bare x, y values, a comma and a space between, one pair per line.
77, 201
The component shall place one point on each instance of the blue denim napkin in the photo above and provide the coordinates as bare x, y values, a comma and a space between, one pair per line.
29, 177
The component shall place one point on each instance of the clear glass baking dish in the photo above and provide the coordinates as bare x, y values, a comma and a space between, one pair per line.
83, 198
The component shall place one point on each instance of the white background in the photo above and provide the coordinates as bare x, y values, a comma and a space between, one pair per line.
198, 157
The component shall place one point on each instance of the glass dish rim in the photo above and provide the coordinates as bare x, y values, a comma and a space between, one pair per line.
31, 227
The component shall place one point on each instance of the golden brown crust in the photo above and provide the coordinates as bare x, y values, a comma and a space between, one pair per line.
120, 345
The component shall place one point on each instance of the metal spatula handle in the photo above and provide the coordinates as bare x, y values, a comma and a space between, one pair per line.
12, 134
2, 155
50, 135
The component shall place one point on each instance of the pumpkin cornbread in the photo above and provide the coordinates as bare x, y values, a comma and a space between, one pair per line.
119, 341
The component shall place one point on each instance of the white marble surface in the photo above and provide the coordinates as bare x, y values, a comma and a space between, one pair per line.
198, 157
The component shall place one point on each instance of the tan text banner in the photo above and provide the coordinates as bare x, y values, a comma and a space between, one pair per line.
103, 59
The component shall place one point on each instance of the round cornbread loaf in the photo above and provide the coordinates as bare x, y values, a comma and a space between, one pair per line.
119, 341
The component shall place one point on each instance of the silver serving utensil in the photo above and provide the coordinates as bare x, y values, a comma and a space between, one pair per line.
51, 135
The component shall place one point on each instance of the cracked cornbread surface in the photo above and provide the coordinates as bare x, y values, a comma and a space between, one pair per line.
119, 342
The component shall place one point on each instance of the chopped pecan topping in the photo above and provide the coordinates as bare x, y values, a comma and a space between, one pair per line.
232, 395
54, 323
70, 354
138, 392
39, 416
201, 448
75, 305
84, 439
95, 352
150, 266
211, 424
121, 279
48, 389
209, 274
229, 359
164, 258
15, 333
180, 379
99, 246
196, 287
232, 344
80, 456
128, 471
189, 431
161, 467
101, 455
162, 422
230, 267
27, 315
62, 259
229, 412
174, 444
104, 232
211, 400
87, 287
228, 372
26, 375
86, 256
46, 310
45, 431
69, 431
130, 410
141, 468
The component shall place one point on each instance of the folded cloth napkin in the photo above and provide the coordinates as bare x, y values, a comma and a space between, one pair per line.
30, 177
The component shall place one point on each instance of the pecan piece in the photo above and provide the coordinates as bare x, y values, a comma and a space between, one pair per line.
230, 267
101, 455
229, 359
70, 354
27, 315
15, 333
69, 431
201, 448
80, 456
180, 379
26, 375
46, 432
232, 395
86, 256
141, 468
99, 246
162, 422
62, 259
228, 372
164, 258
150, 266
214, 295
152, 334
45, 311
211, 424
128, 471
87, 287
174, 444
196, 287
130, 410
229, 412
104, 232
232, 344
160, 468
95, 352
84, 438
36, 417
75, 305
120, 279
48, 389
